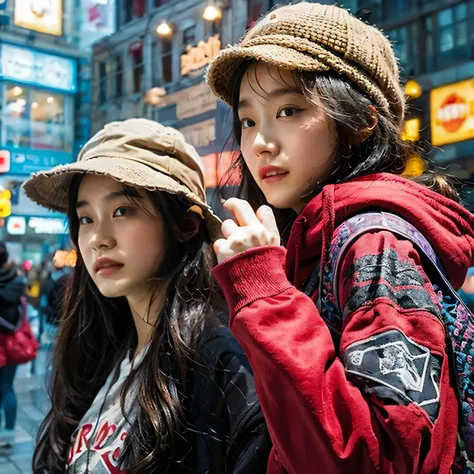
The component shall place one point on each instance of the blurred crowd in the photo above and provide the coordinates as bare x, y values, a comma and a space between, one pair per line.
29, 315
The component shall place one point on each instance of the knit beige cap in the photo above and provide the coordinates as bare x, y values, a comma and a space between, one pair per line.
136, 152
315, 37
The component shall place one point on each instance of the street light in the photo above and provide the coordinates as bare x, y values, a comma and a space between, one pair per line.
413, 89
212, 13
164, 29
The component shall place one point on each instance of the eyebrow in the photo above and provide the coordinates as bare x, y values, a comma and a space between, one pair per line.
110, 197
275, 93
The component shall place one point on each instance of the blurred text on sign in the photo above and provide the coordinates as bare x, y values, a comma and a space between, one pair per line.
201, 55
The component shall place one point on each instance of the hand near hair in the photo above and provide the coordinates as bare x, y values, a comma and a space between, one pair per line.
249, 229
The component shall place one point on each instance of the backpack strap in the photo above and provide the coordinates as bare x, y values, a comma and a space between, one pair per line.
456, 318
361, 224
344, 236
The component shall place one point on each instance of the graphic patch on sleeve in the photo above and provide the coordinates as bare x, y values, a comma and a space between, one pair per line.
385, 275
392, 366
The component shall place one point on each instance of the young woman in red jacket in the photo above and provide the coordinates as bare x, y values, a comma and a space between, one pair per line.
318, 112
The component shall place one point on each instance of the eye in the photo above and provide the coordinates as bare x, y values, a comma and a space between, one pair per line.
288, 111
85, 220
246, 123
122, 211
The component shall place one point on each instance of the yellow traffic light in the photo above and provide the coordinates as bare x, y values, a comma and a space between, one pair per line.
5, 203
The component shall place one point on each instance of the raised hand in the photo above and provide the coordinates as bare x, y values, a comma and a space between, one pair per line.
249, 229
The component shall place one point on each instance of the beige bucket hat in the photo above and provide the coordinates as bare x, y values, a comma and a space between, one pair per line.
315, 37
137, 152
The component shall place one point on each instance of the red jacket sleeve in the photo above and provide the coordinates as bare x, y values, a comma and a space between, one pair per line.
380, 402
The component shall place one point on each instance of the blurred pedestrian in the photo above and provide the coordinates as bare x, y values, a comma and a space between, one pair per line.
145, 379
12, 289
56, 294
33, 287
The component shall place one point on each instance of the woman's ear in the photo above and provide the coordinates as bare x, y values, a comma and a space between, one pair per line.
365, 132
374, 120
189, 226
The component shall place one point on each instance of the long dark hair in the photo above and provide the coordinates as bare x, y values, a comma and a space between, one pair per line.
96, 333
356, 153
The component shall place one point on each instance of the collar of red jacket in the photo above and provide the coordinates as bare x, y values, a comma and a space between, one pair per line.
446, 224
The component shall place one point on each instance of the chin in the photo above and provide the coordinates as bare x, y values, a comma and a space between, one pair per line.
110, 290
278, 202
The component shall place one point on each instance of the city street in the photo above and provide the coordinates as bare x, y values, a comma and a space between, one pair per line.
301, 171
32, 407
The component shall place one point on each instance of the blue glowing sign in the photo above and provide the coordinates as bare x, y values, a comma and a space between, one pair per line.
32, 67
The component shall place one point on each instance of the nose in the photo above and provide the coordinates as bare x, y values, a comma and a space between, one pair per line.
265, 144
102, 237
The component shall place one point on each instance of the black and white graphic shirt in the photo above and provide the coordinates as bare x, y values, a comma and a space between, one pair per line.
98, 441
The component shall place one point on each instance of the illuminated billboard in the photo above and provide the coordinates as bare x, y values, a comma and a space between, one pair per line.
34, 67
452, 113
45, 16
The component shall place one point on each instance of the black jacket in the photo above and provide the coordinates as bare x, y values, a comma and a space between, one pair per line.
55, 298
12, 288
226, 432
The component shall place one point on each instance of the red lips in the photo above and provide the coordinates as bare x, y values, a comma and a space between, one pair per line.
269, 171
104, 262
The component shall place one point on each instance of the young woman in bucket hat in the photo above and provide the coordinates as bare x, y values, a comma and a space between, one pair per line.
145, 379
318, 110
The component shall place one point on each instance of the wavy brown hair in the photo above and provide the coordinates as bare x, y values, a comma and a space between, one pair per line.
96, 332
356, 153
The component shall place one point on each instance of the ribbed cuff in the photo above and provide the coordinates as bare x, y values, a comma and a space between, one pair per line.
251, 275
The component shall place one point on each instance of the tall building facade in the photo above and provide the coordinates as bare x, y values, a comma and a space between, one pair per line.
434, 40
153, 66
45, 83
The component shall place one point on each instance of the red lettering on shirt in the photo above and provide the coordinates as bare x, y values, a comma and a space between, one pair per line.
81, 443
111, 459
103, 435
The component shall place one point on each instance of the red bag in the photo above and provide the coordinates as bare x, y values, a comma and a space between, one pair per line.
20, 346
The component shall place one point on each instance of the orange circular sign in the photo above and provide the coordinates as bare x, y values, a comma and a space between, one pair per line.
453, 112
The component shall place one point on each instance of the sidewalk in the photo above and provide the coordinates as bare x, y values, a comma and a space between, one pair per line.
32, 408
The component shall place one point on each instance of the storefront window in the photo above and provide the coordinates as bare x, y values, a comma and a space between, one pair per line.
118, 76
399, 37
452, 24
167, 60
36, 119
136, 52
16, 117
48, 127
428, 35
128, 9
102, 82
189, 36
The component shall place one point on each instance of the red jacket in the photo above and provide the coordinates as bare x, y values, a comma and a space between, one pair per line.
328, 408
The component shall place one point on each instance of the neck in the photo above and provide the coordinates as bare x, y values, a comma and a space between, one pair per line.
146, 309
